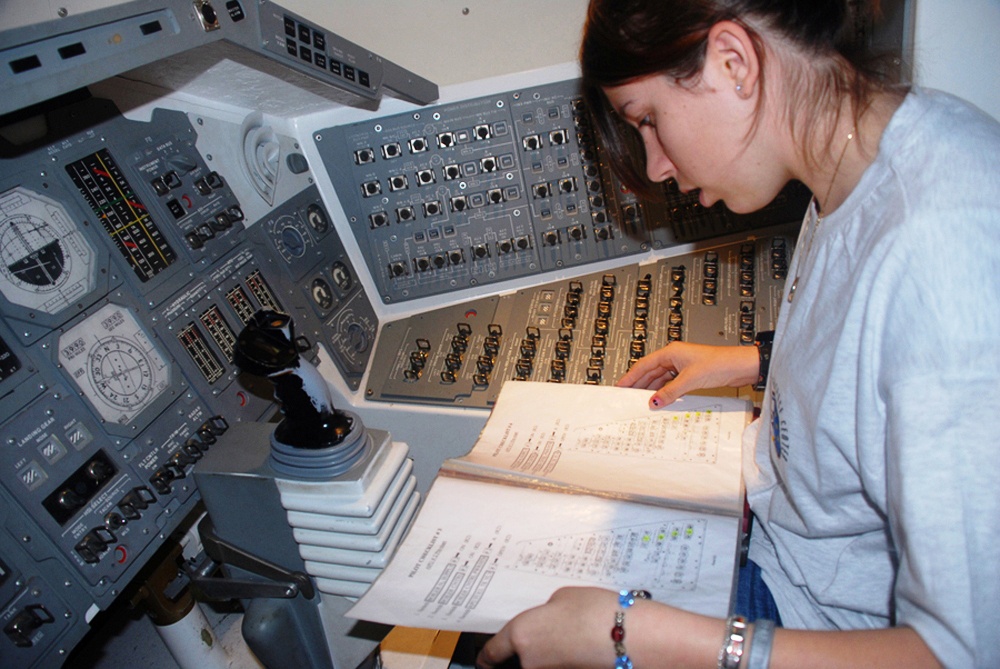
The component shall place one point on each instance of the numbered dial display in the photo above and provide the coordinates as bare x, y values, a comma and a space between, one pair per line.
291, 238
114, 363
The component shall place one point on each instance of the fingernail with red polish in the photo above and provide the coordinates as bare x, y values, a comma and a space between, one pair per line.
655, 402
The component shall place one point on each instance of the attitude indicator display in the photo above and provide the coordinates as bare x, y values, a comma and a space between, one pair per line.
46, 264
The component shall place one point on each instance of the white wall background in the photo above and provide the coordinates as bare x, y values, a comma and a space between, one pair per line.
955, 49
452, 41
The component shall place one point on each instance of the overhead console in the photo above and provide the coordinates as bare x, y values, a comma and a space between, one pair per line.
48, 58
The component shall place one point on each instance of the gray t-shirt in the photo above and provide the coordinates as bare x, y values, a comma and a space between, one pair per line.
875, 475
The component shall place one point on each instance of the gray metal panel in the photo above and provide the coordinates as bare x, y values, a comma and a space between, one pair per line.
499, 187
722, 294
45, 60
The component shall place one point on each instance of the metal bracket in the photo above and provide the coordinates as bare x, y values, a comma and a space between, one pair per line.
279, 583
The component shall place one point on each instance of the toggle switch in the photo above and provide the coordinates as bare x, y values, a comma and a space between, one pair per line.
19, 629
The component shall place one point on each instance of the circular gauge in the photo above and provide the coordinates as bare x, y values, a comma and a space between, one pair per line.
291, 238
115, 365
351, 334
342, 276
322, 294
357, 338
119, 371
293, 241
317, 218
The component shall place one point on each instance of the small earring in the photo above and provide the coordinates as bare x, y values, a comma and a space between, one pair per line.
739, 88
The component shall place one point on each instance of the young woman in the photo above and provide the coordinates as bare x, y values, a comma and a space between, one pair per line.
873, 472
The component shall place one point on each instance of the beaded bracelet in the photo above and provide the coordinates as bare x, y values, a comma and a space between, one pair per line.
626, 598
731, 652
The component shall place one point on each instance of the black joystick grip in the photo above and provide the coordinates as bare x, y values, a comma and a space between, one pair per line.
267, 347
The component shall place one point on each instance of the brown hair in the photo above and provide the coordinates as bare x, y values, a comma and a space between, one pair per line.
626, 40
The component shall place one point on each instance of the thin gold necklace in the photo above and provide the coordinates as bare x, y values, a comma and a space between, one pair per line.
819, 218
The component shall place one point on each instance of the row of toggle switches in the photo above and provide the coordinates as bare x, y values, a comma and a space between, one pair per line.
599, 340
640, 316
189, 453
558, 367
99, 540
455, 358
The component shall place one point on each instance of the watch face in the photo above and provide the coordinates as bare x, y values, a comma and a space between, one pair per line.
115, 365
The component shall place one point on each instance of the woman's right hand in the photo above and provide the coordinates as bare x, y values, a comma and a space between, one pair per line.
680, 367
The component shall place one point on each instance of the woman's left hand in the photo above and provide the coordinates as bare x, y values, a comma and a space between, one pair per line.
571, 629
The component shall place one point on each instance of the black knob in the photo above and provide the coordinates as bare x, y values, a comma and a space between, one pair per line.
114, 520
208, 12
99, 471
68, 499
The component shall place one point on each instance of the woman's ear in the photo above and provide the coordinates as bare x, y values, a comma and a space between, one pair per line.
731, 60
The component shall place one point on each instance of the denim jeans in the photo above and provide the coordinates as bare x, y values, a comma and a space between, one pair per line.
753, 598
